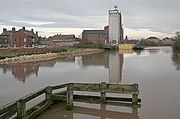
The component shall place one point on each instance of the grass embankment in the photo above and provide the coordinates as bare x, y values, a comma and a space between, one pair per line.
12, 52
176, 45
49, 56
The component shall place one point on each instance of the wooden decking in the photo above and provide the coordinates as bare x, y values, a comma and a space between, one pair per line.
18, 110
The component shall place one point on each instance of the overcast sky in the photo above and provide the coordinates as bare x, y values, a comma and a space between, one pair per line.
141, 18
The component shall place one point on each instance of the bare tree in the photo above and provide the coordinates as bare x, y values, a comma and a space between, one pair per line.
176, 45
178, 34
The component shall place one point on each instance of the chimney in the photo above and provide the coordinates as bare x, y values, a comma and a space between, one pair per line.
23, 28
4, 30
13, 29
36, 33
32, 31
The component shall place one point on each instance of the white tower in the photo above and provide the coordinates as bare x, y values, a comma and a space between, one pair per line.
115, 26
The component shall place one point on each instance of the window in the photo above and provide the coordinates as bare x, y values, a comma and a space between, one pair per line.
33, 40
24, 40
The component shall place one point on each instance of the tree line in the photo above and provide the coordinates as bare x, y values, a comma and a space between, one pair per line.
176, 45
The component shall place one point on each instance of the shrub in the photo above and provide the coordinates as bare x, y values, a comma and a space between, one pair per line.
176, 45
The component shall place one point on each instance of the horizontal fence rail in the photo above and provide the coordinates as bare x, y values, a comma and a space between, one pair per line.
18, 110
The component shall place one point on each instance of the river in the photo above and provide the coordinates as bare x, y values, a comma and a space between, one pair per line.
156, 70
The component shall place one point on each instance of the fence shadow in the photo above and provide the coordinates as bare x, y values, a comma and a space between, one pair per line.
98, 111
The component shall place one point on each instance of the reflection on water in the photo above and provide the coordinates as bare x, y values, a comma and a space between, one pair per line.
176, 59
21, 71
115, 67
156, 70
92, 111
112, 61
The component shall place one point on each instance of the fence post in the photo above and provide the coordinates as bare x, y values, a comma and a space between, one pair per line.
135, 112
21, 109
135, 95
103, 109
103, 91
69, 97
48, 93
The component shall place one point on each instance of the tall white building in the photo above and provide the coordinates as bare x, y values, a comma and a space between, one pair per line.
115, 27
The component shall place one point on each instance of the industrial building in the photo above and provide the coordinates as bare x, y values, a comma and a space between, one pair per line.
112, 34
94, 36
115, 27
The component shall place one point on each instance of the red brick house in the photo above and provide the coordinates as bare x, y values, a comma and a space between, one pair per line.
20, 38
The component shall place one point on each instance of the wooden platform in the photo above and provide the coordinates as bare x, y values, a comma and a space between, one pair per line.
18, 109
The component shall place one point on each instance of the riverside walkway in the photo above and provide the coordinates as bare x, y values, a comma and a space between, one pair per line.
62, 102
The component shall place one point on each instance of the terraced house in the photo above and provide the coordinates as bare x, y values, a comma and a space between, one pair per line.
20, 38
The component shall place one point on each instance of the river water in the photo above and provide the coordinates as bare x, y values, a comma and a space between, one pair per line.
156, 70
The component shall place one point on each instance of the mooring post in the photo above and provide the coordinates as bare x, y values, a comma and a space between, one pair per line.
103, 91
21, 109
135, 94
69, 97
48, 93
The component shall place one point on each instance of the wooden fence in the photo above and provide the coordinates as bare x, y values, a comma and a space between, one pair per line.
17, 109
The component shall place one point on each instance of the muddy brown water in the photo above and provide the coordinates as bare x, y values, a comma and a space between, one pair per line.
156, 70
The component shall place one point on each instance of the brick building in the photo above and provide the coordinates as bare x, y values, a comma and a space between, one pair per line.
20, 38
94, 36
60, 37
63, 40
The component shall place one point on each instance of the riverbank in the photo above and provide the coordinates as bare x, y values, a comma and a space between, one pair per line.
48, 56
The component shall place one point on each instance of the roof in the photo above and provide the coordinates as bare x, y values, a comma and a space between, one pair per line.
44, 42
94, 31
152, 37
29, 33
64, 35
166, 38
7, 33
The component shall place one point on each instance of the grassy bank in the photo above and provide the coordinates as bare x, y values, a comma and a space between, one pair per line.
48, 56
176, 45
13, 52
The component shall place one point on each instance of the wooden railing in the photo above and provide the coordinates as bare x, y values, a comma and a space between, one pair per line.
17, 109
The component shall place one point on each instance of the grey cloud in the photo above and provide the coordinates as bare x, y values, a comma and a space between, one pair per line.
156, 15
